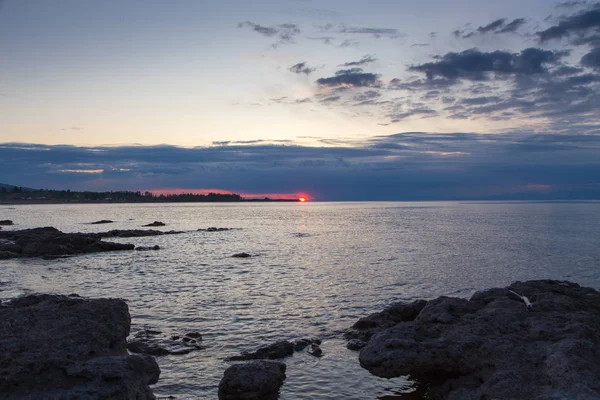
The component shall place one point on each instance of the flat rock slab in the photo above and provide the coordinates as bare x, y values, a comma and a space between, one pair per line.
129, 233
495, 347
67, 347
49, 241
255, 380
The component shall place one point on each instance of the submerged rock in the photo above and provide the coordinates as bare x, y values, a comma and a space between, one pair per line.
155, 343
315, 350
67, 347
241, 255
495, 346
256, 380
156, 223
48, 241
301, 344
276, 350
6, 222
102, 221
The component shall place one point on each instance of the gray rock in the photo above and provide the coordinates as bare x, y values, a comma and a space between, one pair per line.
256, 380
493, 347
68, 348
355, 344
273, 351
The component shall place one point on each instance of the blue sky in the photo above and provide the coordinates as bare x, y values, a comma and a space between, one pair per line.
339, 99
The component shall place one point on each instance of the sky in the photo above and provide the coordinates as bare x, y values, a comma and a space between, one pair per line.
339, 100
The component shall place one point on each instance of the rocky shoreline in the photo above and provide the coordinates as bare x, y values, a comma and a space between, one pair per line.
535, 340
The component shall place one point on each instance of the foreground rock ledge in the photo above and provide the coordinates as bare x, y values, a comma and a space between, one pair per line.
67, 348
492, 346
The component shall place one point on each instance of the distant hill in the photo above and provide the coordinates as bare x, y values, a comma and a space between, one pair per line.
10, 187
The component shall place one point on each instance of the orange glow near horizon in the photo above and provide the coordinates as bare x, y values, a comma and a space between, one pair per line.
245, 195
301, 199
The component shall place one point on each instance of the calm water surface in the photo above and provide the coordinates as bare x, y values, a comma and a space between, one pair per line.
318, 268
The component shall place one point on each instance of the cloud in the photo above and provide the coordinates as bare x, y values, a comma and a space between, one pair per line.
371, 31
353, 77
578, 24
302, 68
284, 32
571, 4
363, 61
512, 26
475, 65
592, 59
403, 166
491, 26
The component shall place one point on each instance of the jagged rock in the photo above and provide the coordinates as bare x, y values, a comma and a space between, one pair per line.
147, 248
301, 344
366, 327
241, 255
129, 233
156, 223
355, 344
48, 241
256, 380
6, 222
102, 221
154, 343
494, 347
276, 350
67, 347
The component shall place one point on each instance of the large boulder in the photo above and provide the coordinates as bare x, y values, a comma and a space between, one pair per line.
494, 346
256, 380
67, 347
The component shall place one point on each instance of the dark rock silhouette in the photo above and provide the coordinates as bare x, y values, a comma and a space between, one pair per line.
129, 233
214, 229
6, 222
67, 347
147, 248
301, 344
273, 351
154, 343
102, 221
48, 242
156, 223
256, 380
241, 255
355, 344
493, 345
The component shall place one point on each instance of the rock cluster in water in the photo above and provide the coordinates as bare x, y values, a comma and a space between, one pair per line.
492, 346
50, 242
70, 348
280, 349
155, 343
155, 223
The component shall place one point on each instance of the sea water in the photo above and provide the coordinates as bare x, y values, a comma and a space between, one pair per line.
316, 268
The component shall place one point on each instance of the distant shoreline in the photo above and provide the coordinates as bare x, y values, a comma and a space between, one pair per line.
19, 202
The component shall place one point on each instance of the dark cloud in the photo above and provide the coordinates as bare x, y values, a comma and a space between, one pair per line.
354, 77
476, 65
578, 24
491, 26
512, 26
353, 30
330, 99
422, 111
284, 32
592, 59
404, 166
302, 68
363, 61
480, 100
571, 4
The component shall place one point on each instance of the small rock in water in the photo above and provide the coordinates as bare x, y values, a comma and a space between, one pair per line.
214, 229
147, 248
102, 221
6, 222
153, 342
194, 335
315, 350
276, 350
301, 344
256, 380
241, 255
156, 223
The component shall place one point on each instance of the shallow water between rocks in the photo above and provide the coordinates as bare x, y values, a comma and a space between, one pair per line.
315, 269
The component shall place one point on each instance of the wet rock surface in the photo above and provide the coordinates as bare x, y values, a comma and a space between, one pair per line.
157, 343
48, 241
67, 347
494, 346
155, 223
255, 380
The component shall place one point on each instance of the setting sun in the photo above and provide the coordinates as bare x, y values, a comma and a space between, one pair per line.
301, 199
